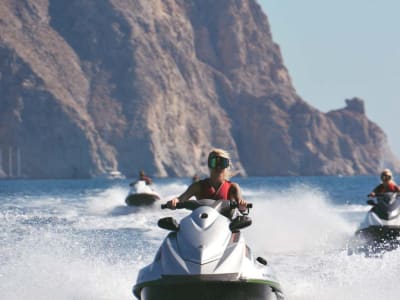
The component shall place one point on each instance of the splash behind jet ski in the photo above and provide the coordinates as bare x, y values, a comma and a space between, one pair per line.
380, 230
206, 257
141, 194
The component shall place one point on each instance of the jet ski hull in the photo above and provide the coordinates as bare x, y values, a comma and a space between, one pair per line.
206, 290
141, 199
379, 233
376, 240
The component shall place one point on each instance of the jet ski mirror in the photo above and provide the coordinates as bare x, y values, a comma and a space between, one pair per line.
234, 204
249, 205
239, 222
168, 223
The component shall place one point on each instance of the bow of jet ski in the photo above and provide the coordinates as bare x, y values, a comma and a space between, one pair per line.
205, 256
141, 194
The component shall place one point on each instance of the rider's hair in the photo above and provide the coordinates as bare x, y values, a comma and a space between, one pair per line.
219, 152
222, 153
387, 172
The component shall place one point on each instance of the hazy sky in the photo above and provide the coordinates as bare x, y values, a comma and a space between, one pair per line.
335, 50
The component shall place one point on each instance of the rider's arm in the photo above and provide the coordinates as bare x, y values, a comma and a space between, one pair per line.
192, 190
235, 194
148, 180
375, 191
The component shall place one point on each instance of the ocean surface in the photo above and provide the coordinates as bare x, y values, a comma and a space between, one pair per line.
76, 239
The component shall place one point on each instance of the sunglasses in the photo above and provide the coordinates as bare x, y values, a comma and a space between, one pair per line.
386, 177
218, 161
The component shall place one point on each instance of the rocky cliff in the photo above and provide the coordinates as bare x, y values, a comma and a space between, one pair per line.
97, 85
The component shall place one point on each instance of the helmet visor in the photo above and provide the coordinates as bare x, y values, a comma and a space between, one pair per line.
218, 161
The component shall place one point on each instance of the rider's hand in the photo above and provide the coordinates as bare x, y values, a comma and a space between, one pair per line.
371, 194
242, 205
172, 203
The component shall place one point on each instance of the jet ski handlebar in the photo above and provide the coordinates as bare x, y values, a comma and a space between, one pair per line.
179, 205
193, 204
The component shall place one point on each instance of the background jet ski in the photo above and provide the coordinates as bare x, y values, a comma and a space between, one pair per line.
141, 194
206, 257
380, 230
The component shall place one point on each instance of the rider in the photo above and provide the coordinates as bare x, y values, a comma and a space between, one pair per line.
217, 186
143, 177
387, 185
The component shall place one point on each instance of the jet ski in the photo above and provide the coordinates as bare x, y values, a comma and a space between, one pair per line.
205, 256
380, 230
141, 194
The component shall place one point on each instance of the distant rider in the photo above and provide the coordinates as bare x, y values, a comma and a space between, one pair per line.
387, 185
217, 186
142, 176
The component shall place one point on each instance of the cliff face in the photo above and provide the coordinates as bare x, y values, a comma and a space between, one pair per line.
90, 86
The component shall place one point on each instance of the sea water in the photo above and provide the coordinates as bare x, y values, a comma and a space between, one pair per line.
62, 239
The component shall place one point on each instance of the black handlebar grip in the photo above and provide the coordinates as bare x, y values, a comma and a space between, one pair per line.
180, 205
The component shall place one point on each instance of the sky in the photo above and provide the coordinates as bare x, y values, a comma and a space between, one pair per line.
337, 50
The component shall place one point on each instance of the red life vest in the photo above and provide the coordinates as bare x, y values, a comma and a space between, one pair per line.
207, 191
392, 187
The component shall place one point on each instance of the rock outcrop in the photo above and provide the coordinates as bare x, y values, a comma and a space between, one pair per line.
92, 86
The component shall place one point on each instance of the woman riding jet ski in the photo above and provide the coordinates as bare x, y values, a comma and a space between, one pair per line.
217, 186
380, 229
206, 257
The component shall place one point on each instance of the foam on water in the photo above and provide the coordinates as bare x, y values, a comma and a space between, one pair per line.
336, 275
106, 200
47, 252
82, 247
304, 236
46, 265
297, 219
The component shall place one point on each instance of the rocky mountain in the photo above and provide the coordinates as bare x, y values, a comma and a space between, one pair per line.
89, 86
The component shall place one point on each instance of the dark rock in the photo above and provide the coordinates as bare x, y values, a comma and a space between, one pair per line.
355, 105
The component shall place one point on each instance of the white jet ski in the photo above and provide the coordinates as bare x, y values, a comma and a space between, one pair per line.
380, 230
141, 194
206, 257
